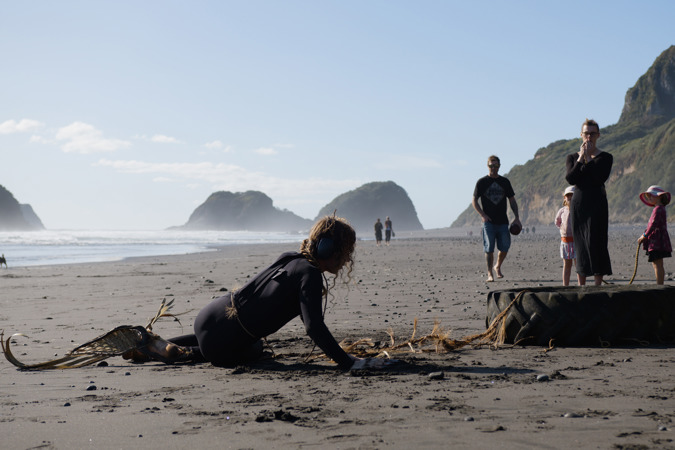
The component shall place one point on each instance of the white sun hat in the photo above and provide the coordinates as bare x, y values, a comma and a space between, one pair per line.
654, 190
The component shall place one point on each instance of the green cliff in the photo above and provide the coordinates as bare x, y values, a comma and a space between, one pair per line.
642, 143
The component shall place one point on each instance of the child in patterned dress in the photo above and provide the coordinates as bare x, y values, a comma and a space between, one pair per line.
563, 221
655, 239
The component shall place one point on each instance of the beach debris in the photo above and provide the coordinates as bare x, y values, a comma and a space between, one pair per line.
113, 343
132, 339
493, 429
436, 375
438, 341
543, 378
269, 416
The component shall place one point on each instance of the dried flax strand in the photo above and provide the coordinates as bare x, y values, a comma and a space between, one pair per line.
112, 343
438, 341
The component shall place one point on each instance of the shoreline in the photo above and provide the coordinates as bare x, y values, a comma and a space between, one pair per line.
108, 255
477, 397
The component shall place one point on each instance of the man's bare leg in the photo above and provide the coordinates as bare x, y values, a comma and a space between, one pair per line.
501, 256
489, 258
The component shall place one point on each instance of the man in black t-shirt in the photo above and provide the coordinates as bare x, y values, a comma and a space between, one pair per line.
493, 190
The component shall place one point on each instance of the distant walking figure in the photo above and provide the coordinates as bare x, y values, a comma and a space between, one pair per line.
388, 230
378, 232
3, 261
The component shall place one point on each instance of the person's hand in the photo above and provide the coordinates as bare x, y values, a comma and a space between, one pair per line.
370, 363
586, 150
486, 218
641, 238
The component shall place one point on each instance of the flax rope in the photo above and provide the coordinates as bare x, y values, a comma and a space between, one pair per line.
637, 251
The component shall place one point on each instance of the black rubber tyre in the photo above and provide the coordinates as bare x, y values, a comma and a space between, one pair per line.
587, 316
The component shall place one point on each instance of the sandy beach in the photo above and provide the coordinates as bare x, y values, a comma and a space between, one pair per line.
482, 398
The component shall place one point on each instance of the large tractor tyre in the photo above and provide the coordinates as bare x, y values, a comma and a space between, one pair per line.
586, 316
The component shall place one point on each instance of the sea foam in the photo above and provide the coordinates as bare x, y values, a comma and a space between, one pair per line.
48, 247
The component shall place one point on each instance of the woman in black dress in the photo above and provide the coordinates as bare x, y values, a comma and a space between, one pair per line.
588, 170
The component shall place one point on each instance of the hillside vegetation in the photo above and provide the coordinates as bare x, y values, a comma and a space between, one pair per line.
642, 143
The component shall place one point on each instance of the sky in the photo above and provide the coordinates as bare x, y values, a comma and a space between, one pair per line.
127, 115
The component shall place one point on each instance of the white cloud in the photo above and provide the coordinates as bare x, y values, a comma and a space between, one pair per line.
267, 151
162, 139
404, 162
230, 177
83, 138
23, 125
36, 139
218, 145
214, 145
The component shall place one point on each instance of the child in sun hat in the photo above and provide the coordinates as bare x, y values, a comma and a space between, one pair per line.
564, 222
655, 239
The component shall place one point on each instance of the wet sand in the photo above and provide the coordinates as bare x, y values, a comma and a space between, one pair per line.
482, 397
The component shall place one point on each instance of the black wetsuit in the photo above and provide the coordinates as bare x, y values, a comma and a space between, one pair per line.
290, 287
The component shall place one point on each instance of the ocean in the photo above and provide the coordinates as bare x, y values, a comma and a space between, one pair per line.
48, 247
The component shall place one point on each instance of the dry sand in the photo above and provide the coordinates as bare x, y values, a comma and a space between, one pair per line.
594, 397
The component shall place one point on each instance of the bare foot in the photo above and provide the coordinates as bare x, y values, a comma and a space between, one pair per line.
499, 272
490, 278
135, 356
160, 350
163, 350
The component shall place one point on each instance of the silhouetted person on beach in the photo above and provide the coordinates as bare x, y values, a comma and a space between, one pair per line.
388, 230
378, 232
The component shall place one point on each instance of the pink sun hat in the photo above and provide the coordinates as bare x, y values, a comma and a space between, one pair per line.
654, 190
